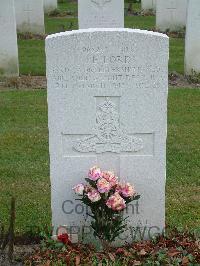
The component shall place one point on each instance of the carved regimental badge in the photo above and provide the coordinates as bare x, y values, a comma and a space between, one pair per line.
109, 135
100, 3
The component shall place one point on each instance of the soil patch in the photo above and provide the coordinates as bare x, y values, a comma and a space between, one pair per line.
24, 83
177, 80
21, 252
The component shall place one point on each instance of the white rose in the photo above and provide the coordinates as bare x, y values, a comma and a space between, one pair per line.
79, 189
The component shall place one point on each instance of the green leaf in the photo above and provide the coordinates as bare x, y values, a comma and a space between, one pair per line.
91, 182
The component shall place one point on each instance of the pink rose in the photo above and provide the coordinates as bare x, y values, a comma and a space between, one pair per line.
110, 177
126, 190
79, 189
103, 185
94, 195
94, 173
116, 202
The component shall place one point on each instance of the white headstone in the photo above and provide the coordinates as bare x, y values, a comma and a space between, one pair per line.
50, 5
171, 14
8, 39
100, 14
192, 39
117, 75
30, 16
148, 5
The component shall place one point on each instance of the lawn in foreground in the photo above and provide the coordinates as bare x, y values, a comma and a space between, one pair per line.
24, 160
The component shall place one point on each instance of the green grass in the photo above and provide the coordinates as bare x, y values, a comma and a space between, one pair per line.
24, 167
176, 59
140, 22
183, 168
32, 55
59, 24
70, 7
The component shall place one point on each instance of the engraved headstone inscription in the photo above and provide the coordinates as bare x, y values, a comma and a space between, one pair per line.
8, 40
107, 106
192, 39
100, 14
171, 15
30, 16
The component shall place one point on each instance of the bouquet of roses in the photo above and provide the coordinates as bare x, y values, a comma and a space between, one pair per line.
107, 198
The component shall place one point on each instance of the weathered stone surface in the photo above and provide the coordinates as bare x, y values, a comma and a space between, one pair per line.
148, 5
192, 39
107, 100
30, 16
50, 5
8, 39
101, 14
171, 14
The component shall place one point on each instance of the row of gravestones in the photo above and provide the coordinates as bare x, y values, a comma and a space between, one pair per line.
21, 16
175, 15
171, 15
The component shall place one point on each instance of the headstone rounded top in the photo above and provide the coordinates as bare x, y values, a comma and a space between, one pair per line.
105, 30
107, 106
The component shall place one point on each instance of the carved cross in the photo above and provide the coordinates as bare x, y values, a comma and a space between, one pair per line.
2, 19
101, 3
153, 3
198, 16
172, 6
28, 10
110, 137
